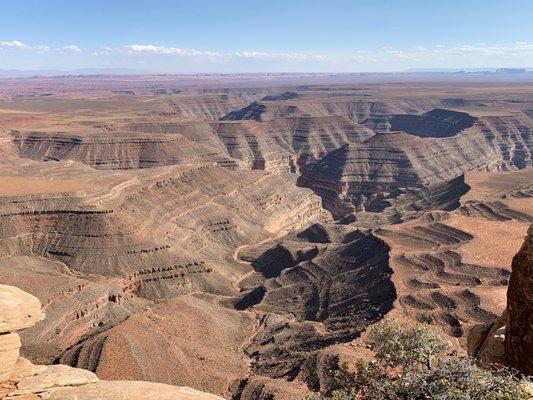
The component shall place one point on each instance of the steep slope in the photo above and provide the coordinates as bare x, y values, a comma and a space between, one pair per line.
357, 176
287, 143
155, 235
124, 150
434, 123
132, 350
21, 379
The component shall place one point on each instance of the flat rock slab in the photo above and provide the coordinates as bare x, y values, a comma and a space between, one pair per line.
24, 368
129, 390
56, 376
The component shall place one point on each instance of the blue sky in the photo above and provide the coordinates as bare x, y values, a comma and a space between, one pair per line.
267, 35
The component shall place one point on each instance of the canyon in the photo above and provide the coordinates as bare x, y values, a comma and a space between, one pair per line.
238, 236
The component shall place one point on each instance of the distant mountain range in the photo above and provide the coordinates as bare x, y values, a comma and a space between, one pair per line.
20, 73
471, 70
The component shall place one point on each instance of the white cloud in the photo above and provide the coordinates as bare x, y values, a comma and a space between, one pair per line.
251, 54
13, 43
17, 44
174, 51
363, 58
482, 54
299, 56
281, 56
519, 53
102, 52
71, 48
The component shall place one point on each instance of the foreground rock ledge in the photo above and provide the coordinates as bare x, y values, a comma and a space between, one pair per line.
20, 379
129, 390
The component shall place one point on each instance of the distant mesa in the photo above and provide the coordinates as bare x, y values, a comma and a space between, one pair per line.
253, 111
511, 71
435, 123
282, 96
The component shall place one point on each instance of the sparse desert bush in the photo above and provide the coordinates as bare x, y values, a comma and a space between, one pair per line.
416, 364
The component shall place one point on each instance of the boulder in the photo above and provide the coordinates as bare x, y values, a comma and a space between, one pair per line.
492, 351
18, 309
476, 337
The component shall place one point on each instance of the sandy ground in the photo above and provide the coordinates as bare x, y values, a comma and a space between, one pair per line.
495, 242
19, 186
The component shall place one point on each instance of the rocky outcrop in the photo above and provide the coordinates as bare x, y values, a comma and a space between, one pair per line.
21, 379
9, 352
487, 342
253, 111
509, 339
129, 390
519, 333
283, 96
18, 310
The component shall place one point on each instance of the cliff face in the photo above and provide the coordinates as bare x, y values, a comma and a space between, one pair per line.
352, 177
509, 340
519, 334
21, 379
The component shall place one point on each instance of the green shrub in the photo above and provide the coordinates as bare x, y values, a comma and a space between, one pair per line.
416, 364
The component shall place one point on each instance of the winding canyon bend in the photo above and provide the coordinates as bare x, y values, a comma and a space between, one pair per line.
239, 235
